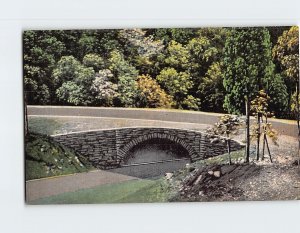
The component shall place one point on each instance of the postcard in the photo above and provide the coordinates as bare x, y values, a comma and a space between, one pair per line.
161, 115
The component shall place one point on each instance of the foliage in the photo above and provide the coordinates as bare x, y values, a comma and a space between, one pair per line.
144, 46
286, 52
151, 95
208, 69
45, 158
73, 81
141, 50
227, 126
127, 88
247, 55
119, 66
190, 103
41, 51
278, 93
211, 90
66, 69
294, 103
176, 84
202, 53
180, 35
125, 76
260, 105
104, 90
93, 60
71, 93
86, 44
177, 56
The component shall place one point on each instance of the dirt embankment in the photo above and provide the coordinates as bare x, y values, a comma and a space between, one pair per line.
259, 180
238, 182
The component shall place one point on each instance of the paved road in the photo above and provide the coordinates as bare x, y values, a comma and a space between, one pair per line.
46, 187
69, 124
283, 127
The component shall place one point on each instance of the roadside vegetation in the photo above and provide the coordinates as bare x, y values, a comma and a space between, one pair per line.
201, 69
142, 190
46, 158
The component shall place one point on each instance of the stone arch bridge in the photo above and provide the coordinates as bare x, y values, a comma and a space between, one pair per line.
110, 148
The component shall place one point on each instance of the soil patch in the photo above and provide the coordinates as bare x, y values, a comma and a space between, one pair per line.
238, 182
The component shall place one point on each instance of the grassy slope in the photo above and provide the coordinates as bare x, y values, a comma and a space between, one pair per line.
45, 158
138, 191
134, 191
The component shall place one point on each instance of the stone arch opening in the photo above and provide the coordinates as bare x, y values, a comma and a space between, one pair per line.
156, 150
167, 153
165, 139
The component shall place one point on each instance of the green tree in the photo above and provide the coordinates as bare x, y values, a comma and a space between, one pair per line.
227, 126
86, 45
260, 107
205, 50
151, 95
93, 60
277, 90
286, 53
177, 56
211, 90
41, 51
73, 81
180, 35
247, 56
71, 93
141, 50
176, 84
202, 54
103, 90
247, 66
125, 75
66, 69
120, 66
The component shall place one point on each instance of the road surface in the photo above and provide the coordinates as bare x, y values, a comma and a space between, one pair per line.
46, 187
285, 127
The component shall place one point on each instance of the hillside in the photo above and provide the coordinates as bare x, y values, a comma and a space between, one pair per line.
45, 158
214, 180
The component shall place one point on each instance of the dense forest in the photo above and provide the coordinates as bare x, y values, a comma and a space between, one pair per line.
206, 69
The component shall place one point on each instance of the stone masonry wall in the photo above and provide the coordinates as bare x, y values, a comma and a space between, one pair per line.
109, 148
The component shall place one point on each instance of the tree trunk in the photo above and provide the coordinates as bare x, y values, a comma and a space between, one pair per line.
229, 150
266, 141
25, 118
298, 118
247, 156
264, 135
258, 136
268, 149
264, 146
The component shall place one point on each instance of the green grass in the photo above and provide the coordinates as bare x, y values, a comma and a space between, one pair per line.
222, 159
133, 191
42, 125
45, 158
